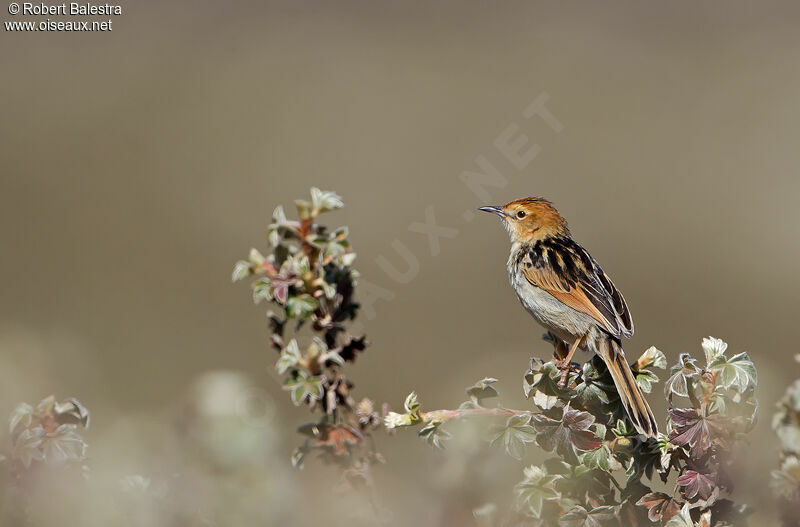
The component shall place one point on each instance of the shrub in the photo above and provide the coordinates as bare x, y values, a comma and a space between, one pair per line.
308, 280
785, 482
601, 472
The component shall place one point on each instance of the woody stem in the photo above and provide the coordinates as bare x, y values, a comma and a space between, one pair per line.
440, 416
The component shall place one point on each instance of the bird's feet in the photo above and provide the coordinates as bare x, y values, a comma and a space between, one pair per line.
565, 366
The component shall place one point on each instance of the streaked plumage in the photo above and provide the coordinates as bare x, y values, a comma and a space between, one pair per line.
566, 291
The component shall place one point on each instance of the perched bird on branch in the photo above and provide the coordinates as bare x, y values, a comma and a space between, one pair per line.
566, 291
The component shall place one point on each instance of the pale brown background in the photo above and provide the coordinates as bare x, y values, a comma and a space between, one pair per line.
138, 165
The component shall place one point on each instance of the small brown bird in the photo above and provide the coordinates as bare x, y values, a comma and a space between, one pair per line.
566, 291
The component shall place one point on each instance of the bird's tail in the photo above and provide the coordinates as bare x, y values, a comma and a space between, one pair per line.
630, 394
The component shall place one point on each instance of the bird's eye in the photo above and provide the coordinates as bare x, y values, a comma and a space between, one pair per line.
521, 214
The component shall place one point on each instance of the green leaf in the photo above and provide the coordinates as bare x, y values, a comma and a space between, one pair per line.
788, 406
334, 357
543, 377
411, 403
580, 517
534, 490
27, 446
317, 240
485, 515
290, 356
262, 290
316, 349
645, 461
328, 289
255, 257
738, 372
666, 448
135, 484
299, 265
341, 233
786, 481
299, 456
304, 388
468, 405
335, 248
599, 430
713, 348
589, 392
434, 435
482, 389
544, 401
600, 458
514, 435
325, 200
623, 429
412, 406
278, 220
395, 420
46, 406
278, 215
678, 382
303, 209
592, 391
22, 415
71, 411
240, 271
789, 437
301, 306
652, 358
63, 445
645, 379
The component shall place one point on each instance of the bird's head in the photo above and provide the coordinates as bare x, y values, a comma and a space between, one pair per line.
530, 219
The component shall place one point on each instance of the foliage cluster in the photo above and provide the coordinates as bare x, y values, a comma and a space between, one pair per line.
785, 481
307, 279
47, 435
599, 471
44, 443
602, 472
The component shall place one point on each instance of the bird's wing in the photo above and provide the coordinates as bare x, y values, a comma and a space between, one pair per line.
568, 272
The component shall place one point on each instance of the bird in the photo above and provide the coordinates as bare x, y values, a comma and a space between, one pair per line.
568, 293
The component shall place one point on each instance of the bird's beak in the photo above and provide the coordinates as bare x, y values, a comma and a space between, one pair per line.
497, 210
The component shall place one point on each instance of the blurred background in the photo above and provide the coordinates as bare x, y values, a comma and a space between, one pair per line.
138, 165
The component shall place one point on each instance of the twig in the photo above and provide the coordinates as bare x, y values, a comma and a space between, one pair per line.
440, 416
394, 420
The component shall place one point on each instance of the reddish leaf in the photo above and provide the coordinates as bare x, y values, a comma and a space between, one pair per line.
570, 433
696, 484
337, 438
660, 507
280, 286
694, 429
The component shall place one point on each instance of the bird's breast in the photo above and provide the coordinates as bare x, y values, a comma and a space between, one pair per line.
566, 322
